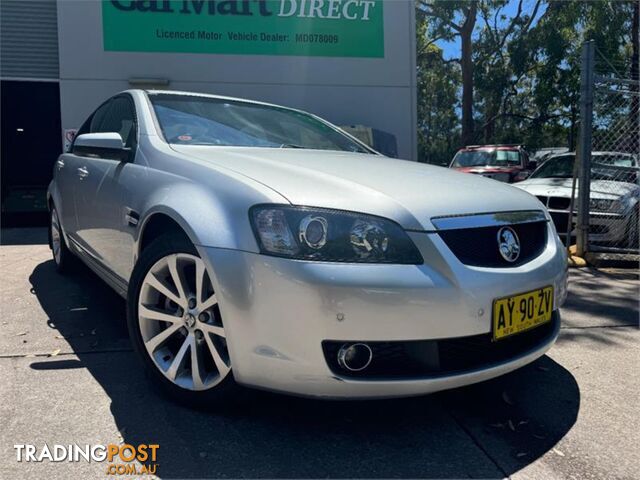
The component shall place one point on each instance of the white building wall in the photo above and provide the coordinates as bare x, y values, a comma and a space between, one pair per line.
377, 92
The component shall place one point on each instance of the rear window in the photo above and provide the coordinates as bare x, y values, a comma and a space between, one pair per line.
508, 156
556, 167
481, 158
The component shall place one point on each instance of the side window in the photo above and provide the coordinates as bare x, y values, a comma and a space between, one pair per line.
82, 130
86, 126
89, 124
119, 116
116, 115
96, 120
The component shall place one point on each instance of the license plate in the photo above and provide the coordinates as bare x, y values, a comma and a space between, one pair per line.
517, 313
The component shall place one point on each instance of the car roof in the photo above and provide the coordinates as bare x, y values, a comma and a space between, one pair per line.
490, 147
217, 97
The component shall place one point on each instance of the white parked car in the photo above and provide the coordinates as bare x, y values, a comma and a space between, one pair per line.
614, 195
262, 246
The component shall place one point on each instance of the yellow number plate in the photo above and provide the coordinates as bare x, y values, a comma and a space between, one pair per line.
521, 312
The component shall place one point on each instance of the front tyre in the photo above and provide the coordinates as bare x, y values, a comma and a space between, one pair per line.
62, 256
176, 326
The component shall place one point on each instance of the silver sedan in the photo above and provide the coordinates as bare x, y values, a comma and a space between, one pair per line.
262, 246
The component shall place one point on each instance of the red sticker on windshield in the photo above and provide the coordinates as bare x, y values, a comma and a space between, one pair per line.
184, 138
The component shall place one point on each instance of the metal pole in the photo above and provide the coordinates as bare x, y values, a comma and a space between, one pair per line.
584, 145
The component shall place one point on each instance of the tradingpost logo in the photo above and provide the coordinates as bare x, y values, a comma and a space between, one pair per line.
120, 459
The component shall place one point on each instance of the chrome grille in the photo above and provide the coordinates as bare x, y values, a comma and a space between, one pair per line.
473, 239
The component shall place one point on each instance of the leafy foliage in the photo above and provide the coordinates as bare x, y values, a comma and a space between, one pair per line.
525, 69
438, 123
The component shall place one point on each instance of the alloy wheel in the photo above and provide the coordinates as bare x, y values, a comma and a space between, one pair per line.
180, 323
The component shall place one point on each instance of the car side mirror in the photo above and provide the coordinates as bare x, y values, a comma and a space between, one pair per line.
101, 145
532, 165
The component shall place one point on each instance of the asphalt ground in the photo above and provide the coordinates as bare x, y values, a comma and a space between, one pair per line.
68, 375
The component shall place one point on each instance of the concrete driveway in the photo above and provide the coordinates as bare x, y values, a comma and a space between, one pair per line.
69, 376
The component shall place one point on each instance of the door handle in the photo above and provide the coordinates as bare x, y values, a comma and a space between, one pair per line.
83, 173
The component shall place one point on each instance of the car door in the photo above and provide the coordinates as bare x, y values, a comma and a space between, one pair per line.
104, 189
67, 179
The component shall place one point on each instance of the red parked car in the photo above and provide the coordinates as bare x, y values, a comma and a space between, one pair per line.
505, 163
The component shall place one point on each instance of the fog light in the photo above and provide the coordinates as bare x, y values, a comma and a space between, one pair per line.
354, 357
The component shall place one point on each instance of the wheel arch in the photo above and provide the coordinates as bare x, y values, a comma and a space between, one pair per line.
158, 222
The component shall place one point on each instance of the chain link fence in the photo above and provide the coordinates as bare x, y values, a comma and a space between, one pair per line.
608, 171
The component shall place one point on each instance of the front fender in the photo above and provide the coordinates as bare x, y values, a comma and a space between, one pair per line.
211, 204
206, 218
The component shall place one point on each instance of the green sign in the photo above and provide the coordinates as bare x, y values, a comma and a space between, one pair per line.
329, 28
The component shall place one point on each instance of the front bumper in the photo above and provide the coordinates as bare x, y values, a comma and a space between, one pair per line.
277, 313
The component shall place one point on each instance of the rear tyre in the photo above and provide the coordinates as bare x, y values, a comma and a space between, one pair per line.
62, 256
176, 327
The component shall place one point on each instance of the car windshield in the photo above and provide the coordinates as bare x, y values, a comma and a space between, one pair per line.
194, 120
620, 168
481, 158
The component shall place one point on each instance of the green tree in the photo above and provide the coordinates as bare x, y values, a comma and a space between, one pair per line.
518, 77
451, 19
503, 70
438, 124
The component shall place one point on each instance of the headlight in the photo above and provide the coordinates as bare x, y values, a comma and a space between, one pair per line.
330, 236
604, 205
